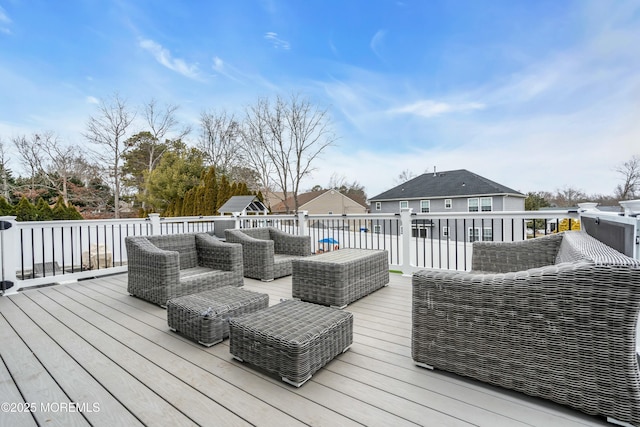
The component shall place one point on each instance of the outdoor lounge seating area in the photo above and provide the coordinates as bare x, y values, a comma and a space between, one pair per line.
540, 332
553, 317
91, 343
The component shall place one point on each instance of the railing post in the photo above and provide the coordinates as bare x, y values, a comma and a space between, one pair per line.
155, 223
236, 216
10, 253
405, 222
302, 223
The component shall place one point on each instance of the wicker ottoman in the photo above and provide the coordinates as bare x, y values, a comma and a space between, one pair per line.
204, 316
293, 339
340, 277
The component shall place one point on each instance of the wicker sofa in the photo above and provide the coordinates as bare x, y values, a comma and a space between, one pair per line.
168, 266
267, 252
553, 317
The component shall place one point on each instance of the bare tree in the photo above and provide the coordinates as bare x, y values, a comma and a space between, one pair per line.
4, 162
404, 176
108, 130
30, 157
255, 137
569, 196
630, 171
290, 134
219, 137
59, 163
309, 134
162, 121
353, 190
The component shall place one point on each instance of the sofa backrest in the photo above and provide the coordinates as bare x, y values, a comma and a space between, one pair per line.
579, 246
184, 244
262, 233
221, 225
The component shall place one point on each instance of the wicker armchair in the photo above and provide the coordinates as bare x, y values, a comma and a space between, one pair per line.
557, 320
164, 267
267, 252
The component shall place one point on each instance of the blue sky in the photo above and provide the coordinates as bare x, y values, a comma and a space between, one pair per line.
536, 95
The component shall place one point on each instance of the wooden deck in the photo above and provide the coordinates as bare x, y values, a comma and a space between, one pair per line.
114, 357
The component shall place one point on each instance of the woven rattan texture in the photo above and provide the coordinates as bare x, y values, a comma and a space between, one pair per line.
204, 316
158, 271
293, 339
267, 251
502, 257
340, 277
578, 245
564, 332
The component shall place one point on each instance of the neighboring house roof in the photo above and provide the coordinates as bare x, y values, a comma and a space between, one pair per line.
242, 204
272, 198
456, 183
305, 198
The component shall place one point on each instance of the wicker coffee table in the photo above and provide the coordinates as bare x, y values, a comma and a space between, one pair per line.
340, 277
204, 316
293, 339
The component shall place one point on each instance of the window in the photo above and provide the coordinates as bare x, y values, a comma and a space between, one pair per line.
486, 204
445, 232
474, 235
376, 229
473, 205
487, 234
424, 206
330, 212
448, 204
404, 204
378, 206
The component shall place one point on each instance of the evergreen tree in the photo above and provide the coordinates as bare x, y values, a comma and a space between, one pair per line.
224, 192
199, 204
5, 208
25, 210
72, 212
59, 211
43, 211
210, 192
187, 204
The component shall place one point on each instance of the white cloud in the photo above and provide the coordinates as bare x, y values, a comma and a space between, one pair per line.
218, 64
164, 57
277, 42
92, 100
429, 108
5, 21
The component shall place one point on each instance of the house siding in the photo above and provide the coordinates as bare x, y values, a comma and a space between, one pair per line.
458, 230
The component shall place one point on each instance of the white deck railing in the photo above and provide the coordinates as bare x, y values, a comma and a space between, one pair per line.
39, 253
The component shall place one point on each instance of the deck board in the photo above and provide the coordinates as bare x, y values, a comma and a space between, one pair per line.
91, 342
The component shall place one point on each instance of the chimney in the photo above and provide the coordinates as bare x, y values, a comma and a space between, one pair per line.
434, 171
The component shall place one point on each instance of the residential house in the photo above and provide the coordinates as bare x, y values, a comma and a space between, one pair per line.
321, 202
324, 202
453, 191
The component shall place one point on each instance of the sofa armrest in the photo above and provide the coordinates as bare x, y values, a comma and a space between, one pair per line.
151, 270
258, 255
217, 255
144, 255
290, 244
502, 257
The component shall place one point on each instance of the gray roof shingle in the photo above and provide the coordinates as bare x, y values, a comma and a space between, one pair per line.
456, 183
240, 203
